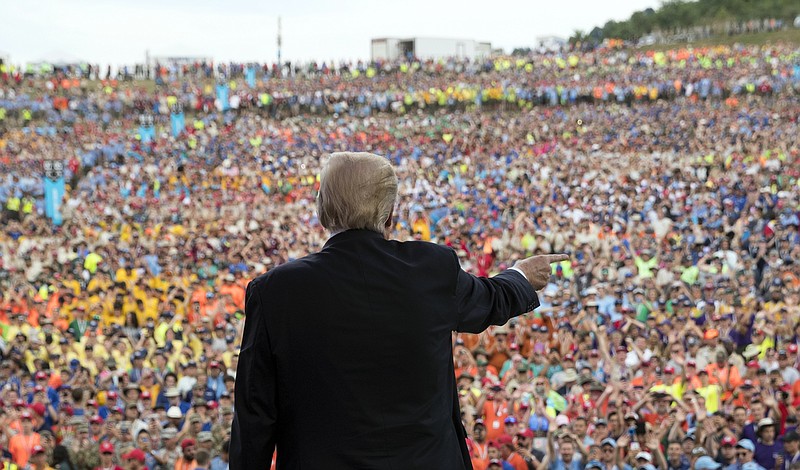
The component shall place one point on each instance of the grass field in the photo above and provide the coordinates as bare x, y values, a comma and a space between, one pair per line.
791, 36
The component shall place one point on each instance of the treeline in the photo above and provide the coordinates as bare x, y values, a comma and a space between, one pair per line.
676, 16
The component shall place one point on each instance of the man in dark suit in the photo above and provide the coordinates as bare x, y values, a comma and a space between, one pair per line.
346, 359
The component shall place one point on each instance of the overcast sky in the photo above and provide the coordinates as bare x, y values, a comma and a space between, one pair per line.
119, 31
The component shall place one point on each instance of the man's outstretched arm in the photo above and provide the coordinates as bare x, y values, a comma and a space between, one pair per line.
482, 302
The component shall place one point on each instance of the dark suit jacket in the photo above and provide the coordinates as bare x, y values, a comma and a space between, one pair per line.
346, 360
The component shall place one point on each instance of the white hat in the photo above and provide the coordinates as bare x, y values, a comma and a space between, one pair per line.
765, 422
174, 412
172, 393
751, 351
644, 455
562, 420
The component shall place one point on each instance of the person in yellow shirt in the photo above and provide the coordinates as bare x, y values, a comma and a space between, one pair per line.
128, 276
711, 392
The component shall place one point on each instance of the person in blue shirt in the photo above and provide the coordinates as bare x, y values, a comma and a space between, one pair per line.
220, 462
570, 455
727, 453
745, 449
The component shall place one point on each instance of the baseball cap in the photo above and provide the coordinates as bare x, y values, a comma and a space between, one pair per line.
135, 454
765, 422
174, 412
609, 442
187, 443
746, 444
106, 447
527, 433
595, 464
706, 463
645, 456
730, 441
791, 436
37, 449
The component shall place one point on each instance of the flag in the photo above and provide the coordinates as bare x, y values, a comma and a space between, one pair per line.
222, 96
53, 195
178, 123
147, 133
250, 76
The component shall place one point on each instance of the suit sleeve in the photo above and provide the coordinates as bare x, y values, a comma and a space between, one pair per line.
481, 302
254, 429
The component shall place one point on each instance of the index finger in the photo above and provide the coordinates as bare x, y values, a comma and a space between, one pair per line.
555, 258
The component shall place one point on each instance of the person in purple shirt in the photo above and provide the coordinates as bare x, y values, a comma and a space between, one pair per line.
791, 451
768, 447
758, 411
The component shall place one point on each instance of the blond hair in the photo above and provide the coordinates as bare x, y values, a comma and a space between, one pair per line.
357, 191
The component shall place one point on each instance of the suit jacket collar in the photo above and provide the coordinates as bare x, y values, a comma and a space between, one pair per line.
353, 234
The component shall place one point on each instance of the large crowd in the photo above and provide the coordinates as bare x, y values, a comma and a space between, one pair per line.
669, 340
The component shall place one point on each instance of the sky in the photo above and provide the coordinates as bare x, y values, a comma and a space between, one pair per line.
117, 32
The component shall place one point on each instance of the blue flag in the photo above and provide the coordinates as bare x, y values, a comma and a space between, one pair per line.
147, 133
53, 195
250, 76
222, 96
178, 122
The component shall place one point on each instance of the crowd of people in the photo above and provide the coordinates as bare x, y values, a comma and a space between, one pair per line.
668, 341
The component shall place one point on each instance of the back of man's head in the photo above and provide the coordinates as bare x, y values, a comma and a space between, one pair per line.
357, 191
202, 457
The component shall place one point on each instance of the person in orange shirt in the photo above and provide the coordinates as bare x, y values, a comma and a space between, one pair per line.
509, 454
187, 462
479, 446
236, 291
744, 395
495, 411
726, 375
500, 351
22, 444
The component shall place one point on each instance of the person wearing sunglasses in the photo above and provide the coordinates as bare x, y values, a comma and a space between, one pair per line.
744, 455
